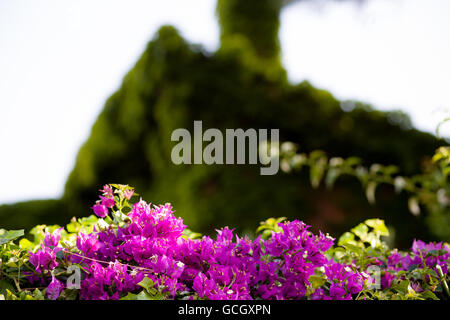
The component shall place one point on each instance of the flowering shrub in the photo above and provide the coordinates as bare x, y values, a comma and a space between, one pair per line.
142, 251
429, 190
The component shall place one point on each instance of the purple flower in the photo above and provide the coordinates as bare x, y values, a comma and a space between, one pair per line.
44, 259
336, 291
202, 285
107, 191
128, 194
100, 210
153, 246
107, 202
88, 244
386, 280
52, 239
54, 289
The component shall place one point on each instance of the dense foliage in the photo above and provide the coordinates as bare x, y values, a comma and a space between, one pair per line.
430, 189
142, 251
175, 83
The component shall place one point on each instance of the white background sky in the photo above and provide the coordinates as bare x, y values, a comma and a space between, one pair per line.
60, 60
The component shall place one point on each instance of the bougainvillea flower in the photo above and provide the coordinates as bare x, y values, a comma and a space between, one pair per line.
54, 289
100, 210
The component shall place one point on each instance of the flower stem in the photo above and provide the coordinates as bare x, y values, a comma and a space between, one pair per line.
444, 283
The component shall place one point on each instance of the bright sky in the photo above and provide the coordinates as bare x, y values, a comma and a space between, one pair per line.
60, 60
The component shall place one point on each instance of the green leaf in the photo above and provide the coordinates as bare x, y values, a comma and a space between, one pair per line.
38, 233
189, 234
370, 191
352, 161
361, 231
38, 295
345, 238
73, 226
158, 296
413, 205
402, 287
317, 280
25, 296
390, 170
331, 177
129, 296
7, 236
12, 262
299, 160
446, 172
378, 225
428, 295
10, 295
144, 295
69, 294
270, 225
4, 285
399, 184
352, 248
146, 283
376, 168
25, 244
317, 167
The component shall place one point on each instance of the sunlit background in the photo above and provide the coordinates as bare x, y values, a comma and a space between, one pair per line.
60, 60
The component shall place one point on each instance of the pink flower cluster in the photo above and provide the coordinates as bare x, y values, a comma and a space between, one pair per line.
116, 259
422, 255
